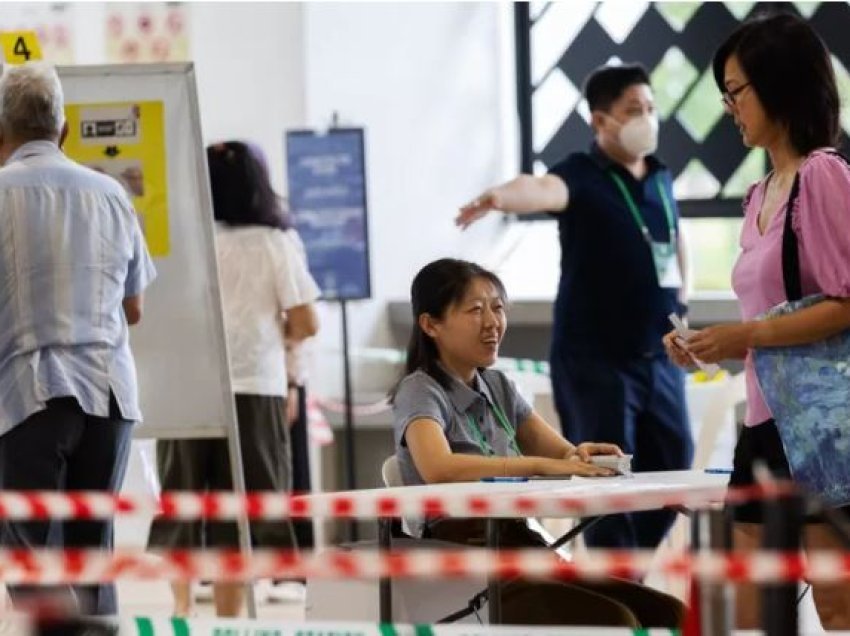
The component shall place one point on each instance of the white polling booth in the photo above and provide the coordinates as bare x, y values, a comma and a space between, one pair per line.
146, 117
141, 125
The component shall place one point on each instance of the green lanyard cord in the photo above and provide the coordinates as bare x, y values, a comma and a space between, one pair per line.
633, 208
478, 434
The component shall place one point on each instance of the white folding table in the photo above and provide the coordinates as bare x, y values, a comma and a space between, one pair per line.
576, 497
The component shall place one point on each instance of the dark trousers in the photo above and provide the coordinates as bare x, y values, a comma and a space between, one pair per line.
61, 448
300, 440
203, 465
638, 404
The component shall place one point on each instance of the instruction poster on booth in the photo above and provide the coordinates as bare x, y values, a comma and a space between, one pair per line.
127, 142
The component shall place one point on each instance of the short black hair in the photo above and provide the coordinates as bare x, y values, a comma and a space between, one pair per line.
606, 84
241, 191
789, 68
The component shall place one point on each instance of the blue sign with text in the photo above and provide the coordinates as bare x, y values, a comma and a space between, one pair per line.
327, 196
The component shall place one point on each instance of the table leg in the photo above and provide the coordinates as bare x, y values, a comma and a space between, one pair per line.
783, 527
576, 530
711, 529
385, 585
494, 597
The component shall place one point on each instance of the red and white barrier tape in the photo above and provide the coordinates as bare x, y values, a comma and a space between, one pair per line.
374, 408
51, 567
367, 504
318, 427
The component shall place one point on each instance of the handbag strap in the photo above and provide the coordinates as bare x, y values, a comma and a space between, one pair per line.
790, 247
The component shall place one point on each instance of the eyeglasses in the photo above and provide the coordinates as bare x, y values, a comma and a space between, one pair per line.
730, 98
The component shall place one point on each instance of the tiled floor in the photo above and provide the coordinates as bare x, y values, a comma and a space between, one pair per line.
139, 598
153, 599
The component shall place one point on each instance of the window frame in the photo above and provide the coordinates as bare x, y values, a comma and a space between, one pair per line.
717, 207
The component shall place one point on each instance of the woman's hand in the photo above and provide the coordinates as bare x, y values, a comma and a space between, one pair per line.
722, 342
585, 450
677, 349
478, 208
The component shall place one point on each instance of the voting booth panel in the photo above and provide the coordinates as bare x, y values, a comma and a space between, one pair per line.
140, 124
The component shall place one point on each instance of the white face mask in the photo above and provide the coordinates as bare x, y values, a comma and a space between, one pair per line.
639, 135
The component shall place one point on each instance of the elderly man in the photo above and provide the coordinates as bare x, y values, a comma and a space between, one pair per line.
73, 264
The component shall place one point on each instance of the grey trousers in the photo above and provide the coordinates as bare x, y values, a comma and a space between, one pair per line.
61, 448
203, 465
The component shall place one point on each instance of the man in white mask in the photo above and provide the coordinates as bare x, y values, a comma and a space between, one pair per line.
621, 276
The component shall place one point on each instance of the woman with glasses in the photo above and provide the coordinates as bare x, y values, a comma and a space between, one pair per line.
778, 84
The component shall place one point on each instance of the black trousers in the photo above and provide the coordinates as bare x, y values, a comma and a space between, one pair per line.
638, 404
300, 439
62, 448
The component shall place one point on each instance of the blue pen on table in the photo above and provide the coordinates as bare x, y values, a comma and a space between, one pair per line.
718, 471
505, 480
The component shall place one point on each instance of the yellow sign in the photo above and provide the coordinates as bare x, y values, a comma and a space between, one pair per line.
20, 46
127, 142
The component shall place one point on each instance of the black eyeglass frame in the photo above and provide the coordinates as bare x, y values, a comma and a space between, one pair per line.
730, 98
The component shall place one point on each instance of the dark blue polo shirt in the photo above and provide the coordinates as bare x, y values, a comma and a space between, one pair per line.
609, 302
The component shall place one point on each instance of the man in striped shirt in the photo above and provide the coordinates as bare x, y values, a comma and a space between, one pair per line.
73, 264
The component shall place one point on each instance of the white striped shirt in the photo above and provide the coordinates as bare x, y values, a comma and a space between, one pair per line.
70, 251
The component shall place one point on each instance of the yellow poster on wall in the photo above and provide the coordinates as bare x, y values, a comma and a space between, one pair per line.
126, 141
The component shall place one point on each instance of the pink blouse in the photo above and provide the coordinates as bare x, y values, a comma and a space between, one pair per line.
822, 223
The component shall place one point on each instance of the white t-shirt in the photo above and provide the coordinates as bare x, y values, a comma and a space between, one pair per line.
263, 272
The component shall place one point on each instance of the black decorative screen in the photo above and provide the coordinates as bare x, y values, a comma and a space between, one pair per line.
559, 43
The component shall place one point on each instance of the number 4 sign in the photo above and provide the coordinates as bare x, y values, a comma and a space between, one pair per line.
20, 46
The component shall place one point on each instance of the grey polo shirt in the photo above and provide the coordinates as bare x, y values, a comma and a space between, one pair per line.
420, 396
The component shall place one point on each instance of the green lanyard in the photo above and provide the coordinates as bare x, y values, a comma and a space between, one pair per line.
478, 434
633, 208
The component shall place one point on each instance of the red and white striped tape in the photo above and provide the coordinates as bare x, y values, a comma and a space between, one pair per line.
366, 504
362, 505
78, 567
373, 408
318, 427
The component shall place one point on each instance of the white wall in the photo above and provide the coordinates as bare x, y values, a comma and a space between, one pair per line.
433, 85
249, 61
426, 81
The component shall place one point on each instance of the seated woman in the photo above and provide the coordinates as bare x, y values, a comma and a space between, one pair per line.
456, 420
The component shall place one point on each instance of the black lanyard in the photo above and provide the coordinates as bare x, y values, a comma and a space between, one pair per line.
633, 208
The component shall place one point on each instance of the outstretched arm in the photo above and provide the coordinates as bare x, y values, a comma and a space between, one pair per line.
524, 195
